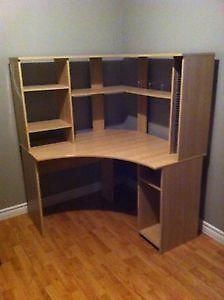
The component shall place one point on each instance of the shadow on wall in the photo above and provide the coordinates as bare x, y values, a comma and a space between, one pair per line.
207, 158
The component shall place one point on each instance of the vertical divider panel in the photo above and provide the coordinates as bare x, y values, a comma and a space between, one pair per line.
142, 100
175, 104
32, 187
180, 201
195, 104
107, 172
63, 76
96, 76
19, 102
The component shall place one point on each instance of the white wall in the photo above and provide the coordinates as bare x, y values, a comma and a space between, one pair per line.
186, 26
46, 27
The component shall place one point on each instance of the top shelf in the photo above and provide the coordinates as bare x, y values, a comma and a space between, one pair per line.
122, 55
121, 89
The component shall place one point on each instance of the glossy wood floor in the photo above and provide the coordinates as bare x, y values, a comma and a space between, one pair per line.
96, 253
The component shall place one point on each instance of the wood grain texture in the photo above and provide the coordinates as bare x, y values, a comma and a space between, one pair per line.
196, 94
32, 187
87, 56
104, 259
66, 113
47, 125
96, 76
180, 200
19, 102
148, 206
44, 87
110, 90
142, 105
125, 145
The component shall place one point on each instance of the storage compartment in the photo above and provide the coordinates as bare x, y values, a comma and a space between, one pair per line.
49, 137
150, 177
112, 72
159, 118
44, 105
149, 213
45, 75
114, 110
82, 111
80, 74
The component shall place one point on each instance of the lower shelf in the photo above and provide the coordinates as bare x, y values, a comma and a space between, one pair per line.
152, 234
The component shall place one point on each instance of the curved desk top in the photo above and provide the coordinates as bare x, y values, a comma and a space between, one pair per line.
124, 145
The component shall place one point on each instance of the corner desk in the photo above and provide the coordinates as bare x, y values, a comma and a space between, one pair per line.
169, 169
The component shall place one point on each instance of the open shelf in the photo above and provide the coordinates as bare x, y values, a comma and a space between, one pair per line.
150, 184
153, 234
44, 87
150, 177
109, 90
148, 92
47, 125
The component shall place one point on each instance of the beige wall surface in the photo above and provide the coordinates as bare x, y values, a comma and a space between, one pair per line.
187, 26
46, 27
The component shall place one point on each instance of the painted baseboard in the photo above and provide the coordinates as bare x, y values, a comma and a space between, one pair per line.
13, 211
213, 232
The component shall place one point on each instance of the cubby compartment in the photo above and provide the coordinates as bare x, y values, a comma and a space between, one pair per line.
47, 110
43, 76
50, 137
149, 213
150, 177
160, 74
158, 112
80, 77
112, 72
82, 111
114, 110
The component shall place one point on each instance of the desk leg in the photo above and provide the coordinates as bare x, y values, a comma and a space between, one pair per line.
107, 178
32, 187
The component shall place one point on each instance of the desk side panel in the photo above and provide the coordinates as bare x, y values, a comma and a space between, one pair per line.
32, 187
195, 105
181, 186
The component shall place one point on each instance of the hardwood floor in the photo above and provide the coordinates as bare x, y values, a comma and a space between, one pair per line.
95, 252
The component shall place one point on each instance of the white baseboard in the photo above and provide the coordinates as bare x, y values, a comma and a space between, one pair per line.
13, 211
20, 209
213, 232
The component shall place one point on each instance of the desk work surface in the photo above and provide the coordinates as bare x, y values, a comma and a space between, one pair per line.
125, 145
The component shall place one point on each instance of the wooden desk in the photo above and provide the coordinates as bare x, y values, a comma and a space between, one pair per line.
168, 190
132, 146
169, 171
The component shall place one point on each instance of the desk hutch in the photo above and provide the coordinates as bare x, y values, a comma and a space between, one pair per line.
169, 170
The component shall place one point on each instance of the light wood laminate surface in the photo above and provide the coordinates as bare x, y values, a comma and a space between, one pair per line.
125, 145
44, 87
47, 125
110, 90
93, 254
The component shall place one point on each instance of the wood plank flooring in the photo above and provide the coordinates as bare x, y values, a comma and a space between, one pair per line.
91, 251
